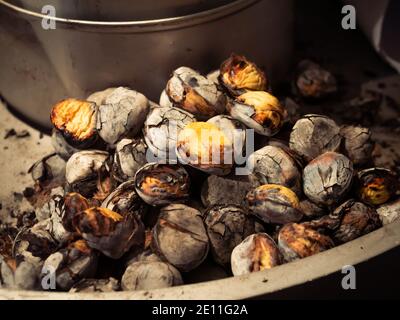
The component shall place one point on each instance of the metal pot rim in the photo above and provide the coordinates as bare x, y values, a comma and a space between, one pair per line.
144, 25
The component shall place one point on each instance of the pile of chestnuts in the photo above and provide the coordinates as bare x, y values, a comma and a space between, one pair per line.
139, 195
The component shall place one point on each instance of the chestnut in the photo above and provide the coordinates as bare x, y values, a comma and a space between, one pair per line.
76, 120
314, 135
227, 226
274, 204
61, 146
148, 275
204, 146
375, 186
109, 232
159, 184
161, 130
314, 82
99, 97
124, 200
130, 155
189, 90
87, 172
180, 237
297, 241
273, 165
71, 264
122, 115
358, 145
328, 178
257, 252
74, 203
237, 75
258, 110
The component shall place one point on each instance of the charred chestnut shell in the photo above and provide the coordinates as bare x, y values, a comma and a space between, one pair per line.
109, 232
258, 110
297, 241
76, 120
257, 252
189, 90
274, 204
227, 226
160, 184
204, 146
237, 75
376, 186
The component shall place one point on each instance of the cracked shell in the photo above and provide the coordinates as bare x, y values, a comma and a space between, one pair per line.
227, 226
237, 75
180, 237
314, 135
358, 145
161, 130
258, 110
122, 115
274, 204
109, 232
297, 241
328, 178
257, 252
189, 90
160, 184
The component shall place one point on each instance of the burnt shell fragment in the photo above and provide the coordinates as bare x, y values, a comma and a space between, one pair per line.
297, 241
314, 135
389, 212
257, 252
48, 170
274, 204
61, 146
328, 178
96, 285
160, 184
180, 237
227, 226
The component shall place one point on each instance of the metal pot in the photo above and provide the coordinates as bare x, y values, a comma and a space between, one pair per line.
40, 67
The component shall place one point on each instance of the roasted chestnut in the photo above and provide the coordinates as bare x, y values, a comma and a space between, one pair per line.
71, 264
148, 275
257, 252
227, 226
129, 156
74, 203
99, 97
189, 90
109, 232
160, 184
376, 186
328, 178
161, 130
87, 172
273, 165
76, 120
297, 241
204, 146
124, 200
237, 75
122, 115
180, 237
258, 110
61, 146
314, 82
358, 145
274, 204
314, 135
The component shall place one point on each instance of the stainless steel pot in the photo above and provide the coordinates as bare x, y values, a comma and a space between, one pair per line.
41, 66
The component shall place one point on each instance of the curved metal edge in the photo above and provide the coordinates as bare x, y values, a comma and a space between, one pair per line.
251, 285
143, 25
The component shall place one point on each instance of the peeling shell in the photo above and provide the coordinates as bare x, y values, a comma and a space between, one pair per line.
61, 146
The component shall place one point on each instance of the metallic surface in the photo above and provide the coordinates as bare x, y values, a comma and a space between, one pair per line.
40, 67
